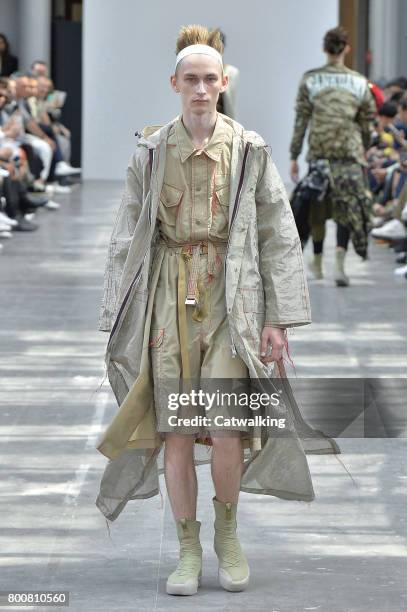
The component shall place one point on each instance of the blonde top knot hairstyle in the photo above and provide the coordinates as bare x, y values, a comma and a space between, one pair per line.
199, 35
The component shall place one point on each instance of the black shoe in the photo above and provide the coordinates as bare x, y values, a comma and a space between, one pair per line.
37, 188
37, 199
26, 206
401, 246
67, 181
24, 225
402, 258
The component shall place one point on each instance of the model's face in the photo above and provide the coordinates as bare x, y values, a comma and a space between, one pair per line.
199, 80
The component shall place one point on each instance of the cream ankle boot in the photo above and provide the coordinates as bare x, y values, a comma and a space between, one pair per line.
315, 266
186, 579
340, 277
233, 567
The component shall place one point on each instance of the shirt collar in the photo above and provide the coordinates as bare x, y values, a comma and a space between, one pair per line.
214, 147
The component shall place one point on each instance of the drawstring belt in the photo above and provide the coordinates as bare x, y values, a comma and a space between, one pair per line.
194, 293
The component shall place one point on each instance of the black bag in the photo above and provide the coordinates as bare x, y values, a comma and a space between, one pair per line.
312, 188
300, 201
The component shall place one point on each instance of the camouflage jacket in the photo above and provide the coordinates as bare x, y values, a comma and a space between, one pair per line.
336, 104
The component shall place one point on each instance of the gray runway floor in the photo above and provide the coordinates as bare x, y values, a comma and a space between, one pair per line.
345, 551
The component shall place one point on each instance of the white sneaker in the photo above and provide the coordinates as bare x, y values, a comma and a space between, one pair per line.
5, 234
51, 205
39, 186
392, 230
5, 227
378, 221
64, 169
29, 216
401, 271
63, 189
6, 219
53, 188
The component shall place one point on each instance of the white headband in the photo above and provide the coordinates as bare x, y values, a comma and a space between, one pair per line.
203, 49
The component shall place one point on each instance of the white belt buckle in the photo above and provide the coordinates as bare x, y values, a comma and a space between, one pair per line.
190, 301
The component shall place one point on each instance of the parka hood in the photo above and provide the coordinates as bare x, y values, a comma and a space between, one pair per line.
151, 135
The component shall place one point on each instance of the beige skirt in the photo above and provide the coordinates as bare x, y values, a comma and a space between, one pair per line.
190, 348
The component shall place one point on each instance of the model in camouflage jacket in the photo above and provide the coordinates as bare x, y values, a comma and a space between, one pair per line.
337, 105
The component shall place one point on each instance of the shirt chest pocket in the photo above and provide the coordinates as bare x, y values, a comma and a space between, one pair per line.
170, 200
220, 205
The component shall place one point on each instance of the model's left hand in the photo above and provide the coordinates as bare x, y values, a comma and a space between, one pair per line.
276, 337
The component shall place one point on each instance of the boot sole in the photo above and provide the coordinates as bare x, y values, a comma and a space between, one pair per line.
232, 585
184, 589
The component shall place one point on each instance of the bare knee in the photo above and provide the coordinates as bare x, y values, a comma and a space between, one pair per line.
227, 444
178, 446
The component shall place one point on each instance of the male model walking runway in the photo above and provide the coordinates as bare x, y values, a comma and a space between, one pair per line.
337, 105
204, 274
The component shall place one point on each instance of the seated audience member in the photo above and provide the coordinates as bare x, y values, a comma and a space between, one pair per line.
39, 68
34, 145
395, 86
42, 110
386, 138
394, 209
48, 109
8, 62
30, 132
401, 123
15, 162
382, 152
392, 187
40, 136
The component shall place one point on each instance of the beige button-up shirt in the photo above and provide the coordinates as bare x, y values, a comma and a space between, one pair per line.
194, 203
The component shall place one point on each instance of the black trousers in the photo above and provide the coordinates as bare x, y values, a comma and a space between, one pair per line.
33, 159
11, 192
342, 236
342, 239
15, 193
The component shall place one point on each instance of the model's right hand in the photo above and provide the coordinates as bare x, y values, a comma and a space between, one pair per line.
294, 171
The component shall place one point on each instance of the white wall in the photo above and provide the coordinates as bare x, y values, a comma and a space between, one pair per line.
129, 54
383, 40
27, 25
9, 23
34, 31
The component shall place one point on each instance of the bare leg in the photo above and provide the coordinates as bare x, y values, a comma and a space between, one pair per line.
180, 474
227, 465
